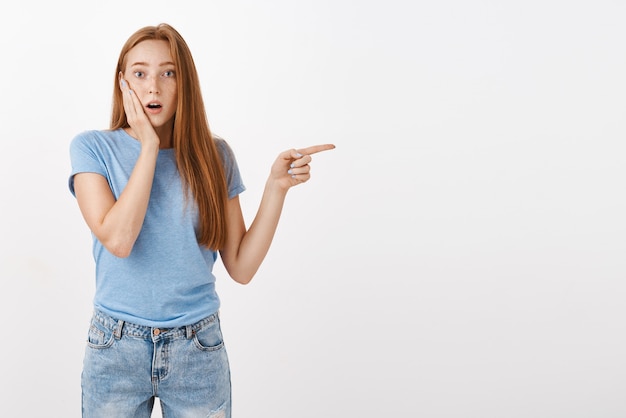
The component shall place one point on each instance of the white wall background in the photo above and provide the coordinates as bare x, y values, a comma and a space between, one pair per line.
461, 253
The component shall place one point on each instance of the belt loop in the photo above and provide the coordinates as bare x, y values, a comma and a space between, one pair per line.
189, 331
118, 329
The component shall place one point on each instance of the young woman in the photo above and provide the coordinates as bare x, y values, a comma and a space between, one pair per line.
159, 193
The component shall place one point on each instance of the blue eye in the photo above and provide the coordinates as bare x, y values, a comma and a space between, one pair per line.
138, 74
169, 73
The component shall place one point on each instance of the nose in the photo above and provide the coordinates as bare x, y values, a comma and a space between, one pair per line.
153, 87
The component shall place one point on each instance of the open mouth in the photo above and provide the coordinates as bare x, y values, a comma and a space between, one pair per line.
154, 106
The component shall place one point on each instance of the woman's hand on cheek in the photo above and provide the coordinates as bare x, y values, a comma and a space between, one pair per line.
137, 118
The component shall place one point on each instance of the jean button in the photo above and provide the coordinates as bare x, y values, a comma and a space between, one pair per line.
156, 332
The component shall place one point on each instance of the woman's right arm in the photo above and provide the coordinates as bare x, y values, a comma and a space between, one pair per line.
117, 223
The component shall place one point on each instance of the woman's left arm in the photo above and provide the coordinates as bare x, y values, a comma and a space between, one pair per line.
245, 250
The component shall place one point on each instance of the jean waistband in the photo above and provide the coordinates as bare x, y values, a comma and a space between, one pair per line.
120, 327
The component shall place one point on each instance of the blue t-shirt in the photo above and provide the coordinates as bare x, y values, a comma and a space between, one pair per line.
167, 281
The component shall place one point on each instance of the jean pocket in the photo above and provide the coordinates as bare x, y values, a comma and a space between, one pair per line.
209, 338
99, 336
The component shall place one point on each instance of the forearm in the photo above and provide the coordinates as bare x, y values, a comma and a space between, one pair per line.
121, 225
257, 240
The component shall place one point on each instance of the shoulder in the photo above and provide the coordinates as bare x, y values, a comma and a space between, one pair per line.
94, 137
231, 169
104, 141
84, 143
85, 136
225, 151
220, 143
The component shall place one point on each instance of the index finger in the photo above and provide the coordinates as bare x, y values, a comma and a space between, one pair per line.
315, 149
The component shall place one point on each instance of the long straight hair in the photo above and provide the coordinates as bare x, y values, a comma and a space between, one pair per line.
197, 157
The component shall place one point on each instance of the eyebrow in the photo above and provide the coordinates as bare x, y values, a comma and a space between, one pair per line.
145, 64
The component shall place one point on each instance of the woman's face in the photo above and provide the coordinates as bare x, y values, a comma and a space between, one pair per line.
150, 74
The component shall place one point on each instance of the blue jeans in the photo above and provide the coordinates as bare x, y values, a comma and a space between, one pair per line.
126, 366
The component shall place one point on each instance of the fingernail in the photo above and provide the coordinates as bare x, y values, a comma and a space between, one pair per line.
292, 165
293, 176
290, 171
123, 82
130, 91
298, 154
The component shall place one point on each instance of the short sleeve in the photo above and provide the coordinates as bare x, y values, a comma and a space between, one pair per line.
84, 158
231, 169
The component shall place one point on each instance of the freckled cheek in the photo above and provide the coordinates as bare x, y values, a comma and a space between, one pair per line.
173, 96
135, 85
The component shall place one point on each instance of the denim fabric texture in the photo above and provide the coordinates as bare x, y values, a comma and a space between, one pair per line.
127, 365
